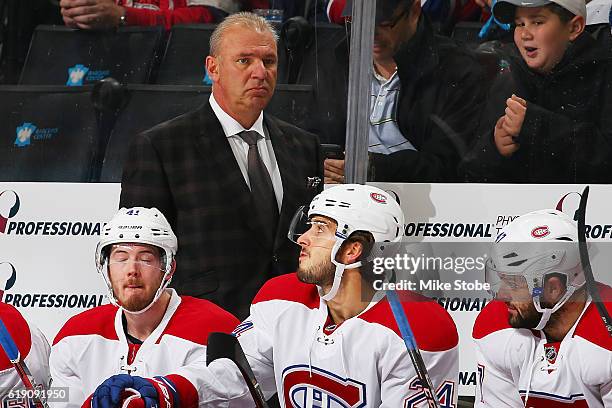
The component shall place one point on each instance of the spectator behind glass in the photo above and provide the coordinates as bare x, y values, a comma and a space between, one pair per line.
547, 119
292, 8
426, 97
107, 14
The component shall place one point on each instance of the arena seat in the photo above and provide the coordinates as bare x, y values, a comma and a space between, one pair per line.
188, 45
324, 66
466, 32
64, 56
48, 133
149, 105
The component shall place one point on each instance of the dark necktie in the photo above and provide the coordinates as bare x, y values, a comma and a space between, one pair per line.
262, 191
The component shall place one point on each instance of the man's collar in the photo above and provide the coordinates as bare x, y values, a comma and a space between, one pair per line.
381, 78
230, 125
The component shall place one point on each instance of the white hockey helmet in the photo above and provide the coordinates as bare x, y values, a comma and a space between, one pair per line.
354, 207
534, 246
142, 226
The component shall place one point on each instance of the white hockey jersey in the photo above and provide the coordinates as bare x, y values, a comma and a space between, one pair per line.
34, 350
295, 350
92, 346
517, 363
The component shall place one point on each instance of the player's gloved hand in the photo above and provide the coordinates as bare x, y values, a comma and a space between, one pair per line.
126, 391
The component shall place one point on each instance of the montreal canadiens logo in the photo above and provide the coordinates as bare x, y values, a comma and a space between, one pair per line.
321, 389
379, 198
540, 232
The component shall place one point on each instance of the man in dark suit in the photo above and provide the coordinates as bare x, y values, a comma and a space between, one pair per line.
227, 176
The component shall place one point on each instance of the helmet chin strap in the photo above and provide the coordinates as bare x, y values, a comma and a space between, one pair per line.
546, 312
340, 267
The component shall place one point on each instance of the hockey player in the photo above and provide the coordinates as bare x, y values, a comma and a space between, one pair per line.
34, 351
541, 343
149, 340
322, 337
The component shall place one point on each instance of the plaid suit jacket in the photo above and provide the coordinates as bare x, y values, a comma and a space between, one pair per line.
185, 167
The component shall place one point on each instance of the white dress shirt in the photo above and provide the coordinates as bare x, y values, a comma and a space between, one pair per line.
240, 148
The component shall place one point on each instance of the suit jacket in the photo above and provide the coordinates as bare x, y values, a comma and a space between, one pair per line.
185, 167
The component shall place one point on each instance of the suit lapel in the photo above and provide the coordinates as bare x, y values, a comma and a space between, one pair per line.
214, 147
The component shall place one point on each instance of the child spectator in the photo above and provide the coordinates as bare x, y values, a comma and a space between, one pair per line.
547, 118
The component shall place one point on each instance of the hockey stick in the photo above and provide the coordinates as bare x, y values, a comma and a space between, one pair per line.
413, 349
586, 263
223, 345
12, 353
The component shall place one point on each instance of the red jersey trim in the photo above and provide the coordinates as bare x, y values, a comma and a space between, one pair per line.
433, 327
591, 327
492, 318
99, 320
19, 331
289, 287
195, 319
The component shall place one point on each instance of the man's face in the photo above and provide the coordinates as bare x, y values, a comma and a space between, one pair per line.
541, 37
390, 34
514, 292
315, 264
244, 71
135, 272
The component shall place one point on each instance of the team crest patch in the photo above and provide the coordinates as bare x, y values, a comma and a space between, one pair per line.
320, 388
379, 198
540, 232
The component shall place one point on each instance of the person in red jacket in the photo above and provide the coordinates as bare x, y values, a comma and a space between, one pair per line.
107, 14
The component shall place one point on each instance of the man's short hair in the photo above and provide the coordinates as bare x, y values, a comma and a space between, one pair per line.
242, 19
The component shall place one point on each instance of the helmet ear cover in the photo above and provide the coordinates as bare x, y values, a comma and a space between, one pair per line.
366, 239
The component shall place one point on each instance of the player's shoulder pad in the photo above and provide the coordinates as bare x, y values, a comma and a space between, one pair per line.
433, 327
590, 327
196, 318
18, 329
99, 321
289, 287
492, 318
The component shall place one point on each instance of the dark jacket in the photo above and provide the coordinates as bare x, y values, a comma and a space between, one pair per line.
185, 167
567, 129
442, 90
